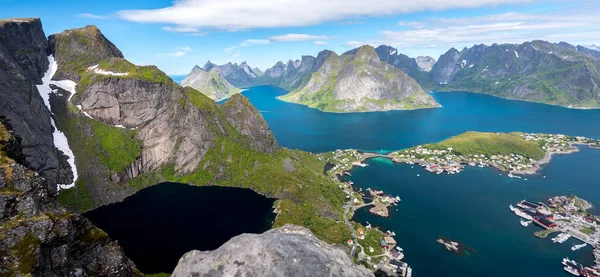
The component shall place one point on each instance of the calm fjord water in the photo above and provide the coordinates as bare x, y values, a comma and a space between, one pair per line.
471, 206
297, 126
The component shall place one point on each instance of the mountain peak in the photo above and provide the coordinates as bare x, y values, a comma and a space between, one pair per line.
196, 68
77, 49
367, 53
208, 66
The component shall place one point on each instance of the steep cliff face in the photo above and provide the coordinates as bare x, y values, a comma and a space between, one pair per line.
160, 112
77, 49
249, 122
41, 238
286, 251
360, 82
23, 61
211, 83
534, 71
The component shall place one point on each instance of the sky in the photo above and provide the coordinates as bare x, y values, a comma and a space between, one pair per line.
176, 35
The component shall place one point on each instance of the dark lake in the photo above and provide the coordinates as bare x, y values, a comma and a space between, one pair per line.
159, 224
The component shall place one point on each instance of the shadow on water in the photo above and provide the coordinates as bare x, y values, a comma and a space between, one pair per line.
159, 224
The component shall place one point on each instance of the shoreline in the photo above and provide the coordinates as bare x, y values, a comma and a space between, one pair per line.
514, 99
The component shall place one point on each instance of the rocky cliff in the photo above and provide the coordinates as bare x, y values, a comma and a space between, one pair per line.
286, 251
38, 237
23, 62
360, 82
211, 83
534, 71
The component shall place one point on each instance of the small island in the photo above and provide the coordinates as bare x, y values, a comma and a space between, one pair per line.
454, 246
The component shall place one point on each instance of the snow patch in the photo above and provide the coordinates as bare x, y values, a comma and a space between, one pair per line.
120, 126
516, 54
485, 69
60, 140
497, 82
84, 113
506, 50
463, 63
67, 85
97, 70
471, 65
393, 52
19, 21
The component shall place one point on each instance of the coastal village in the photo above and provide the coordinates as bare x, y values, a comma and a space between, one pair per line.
379, 250
568, 216
448, 160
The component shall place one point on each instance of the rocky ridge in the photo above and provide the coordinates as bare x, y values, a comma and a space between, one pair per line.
286, 251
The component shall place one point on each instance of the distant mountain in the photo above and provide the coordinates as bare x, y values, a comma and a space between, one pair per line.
594, 52
240, 75
211, 83
592, 47
294, 74
425, 63
360, 81
534, 71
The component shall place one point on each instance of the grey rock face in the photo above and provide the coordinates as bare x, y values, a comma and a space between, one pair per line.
23, 62
248, 121
163, 125
286, 251
41, 238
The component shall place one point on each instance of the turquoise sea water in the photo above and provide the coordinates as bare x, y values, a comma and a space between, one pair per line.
471, 206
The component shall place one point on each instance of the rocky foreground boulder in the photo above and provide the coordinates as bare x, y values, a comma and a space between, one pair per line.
286, 251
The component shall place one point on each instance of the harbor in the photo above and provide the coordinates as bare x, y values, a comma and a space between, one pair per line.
568, 216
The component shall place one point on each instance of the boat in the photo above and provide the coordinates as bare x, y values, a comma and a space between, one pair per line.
511, 175
399, 248
578, 246
571, 270
525, 223
512, 209
409, 272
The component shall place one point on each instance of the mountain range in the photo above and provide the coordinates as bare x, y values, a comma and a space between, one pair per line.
538, 71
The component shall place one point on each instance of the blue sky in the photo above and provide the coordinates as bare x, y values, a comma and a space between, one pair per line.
176, 35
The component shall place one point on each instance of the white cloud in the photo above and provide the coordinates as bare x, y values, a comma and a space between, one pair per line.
320, 42
92, 16
246, 43
354, 43
241, 14
575, 26
181, 51
296, 37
